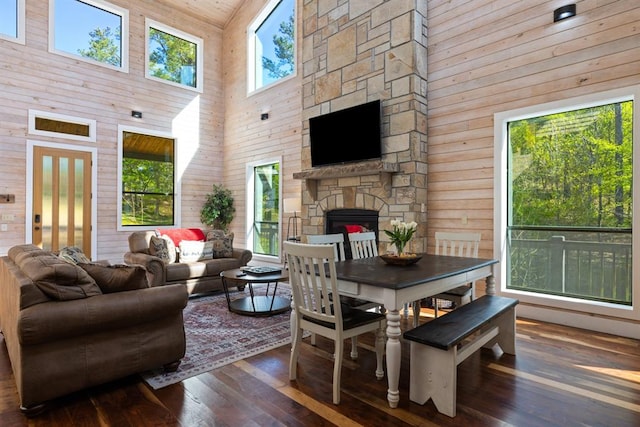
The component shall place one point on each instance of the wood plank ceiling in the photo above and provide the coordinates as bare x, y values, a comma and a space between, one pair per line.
217, 12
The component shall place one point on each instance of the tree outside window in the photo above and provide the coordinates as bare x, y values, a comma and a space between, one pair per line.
147, 180
272, 44
92, 30
571, 203
173, 56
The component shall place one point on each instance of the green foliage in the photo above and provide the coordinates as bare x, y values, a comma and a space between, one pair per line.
284, 51
171, 56
147, 192
103, 46
573, 168
218, 210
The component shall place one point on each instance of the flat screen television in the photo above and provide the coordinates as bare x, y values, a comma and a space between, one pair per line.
349, 135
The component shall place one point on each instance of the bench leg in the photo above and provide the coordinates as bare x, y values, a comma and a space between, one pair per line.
433, 375
507, 337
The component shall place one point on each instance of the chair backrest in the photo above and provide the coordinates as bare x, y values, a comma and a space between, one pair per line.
457, 244
363, 245
312, 275
337, 240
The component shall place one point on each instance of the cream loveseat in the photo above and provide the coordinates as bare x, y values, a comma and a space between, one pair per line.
68, 327
201, 272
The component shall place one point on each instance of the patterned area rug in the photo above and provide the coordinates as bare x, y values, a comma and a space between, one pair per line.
216, 337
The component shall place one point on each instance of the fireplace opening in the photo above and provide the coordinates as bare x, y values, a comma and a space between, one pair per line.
348, 220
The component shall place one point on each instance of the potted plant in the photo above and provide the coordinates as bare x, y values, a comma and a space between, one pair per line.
218, 210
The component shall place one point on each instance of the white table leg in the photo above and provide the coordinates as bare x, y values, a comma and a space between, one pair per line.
394, 356
491, 285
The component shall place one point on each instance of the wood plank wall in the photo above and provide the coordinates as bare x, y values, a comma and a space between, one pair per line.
489, 56
33, 78
247, 139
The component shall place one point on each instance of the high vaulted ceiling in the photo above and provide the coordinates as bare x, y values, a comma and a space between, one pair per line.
217, 12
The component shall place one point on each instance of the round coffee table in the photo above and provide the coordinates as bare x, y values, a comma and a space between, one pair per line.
255, 305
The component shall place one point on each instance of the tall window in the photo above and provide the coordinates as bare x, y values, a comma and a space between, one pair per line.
12, 20
264, 208
92, 30
568, 217
271, 44
173, 57
147, 172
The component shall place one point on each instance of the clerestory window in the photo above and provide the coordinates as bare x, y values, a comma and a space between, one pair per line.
91, 30
173, 57
12, 20
271, 45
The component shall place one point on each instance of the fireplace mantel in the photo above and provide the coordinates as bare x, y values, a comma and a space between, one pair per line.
370, 167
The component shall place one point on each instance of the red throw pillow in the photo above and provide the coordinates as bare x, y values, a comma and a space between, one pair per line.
353, 228
180, 234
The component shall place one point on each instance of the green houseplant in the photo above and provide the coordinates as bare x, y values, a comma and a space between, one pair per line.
218, 210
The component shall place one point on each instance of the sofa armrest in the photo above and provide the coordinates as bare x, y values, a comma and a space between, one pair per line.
55, 320
156, 272
244, 255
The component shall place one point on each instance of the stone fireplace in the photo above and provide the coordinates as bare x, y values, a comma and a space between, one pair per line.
354, 52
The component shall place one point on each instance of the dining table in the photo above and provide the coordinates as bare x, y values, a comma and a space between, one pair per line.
392, 286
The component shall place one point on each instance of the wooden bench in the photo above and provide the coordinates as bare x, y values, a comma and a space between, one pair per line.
439, 346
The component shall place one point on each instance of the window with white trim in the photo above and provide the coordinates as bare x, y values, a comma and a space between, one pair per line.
12, 20
565, 186
147, 191
263, 208
91, 30
173, 56
271, 45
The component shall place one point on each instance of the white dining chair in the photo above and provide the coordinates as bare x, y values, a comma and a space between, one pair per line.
461, 245
314, 311
363, 245
337, 241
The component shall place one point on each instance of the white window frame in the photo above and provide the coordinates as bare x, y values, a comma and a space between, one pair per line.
124, 35
251, 47
251, 187
149, 23
570, 311
176, 180
34, 114
20, 38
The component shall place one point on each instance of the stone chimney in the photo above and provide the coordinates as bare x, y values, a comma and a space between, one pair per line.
355, 52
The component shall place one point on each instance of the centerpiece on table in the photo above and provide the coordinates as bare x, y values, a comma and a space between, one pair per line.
401, 235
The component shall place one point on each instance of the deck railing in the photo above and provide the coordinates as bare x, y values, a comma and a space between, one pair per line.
587, 263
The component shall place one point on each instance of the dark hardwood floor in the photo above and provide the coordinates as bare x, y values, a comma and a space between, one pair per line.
560, 376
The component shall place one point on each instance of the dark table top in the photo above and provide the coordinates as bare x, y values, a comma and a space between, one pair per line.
374, 271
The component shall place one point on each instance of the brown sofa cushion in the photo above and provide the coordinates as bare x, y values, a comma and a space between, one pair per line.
222, 243
56, 278
118, 277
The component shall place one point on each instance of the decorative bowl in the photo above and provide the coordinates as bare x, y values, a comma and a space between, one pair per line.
405, 259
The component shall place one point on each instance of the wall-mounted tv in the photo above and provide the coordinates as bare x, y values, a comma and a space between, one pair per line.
349, 135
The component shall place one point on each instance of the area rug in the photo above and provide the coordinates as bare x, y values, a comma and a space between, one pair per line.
216, 337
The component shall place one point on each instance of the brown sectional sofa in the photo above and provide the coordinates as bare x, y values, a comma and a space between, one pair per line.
64, 334
199, 276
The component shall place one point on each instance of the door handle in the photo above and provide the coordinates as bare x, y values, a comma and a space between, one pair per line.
37, 219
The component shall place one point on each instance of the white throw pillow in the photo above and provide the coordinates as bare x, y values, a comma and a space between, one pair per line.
191, 250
